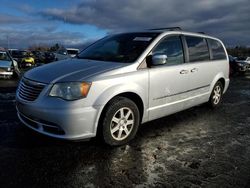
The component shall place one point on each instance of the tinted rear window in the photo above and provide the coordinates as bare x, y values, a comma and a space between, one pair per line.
197, 49
217, 50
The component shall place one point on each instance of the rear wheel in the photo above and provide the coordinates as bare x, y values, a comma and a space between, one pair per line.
120, 122
216, 95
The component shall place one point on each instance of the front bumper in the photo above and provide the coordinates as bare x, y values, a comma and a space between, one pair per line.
27, 64
6, 73
242, 69
65, 123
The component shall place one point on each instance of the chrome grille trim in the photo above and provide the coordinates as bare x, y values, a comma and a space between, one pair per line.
30, 90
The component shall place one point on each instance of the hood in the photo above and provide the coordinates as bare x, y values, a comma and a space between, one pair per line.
70, 70
242, 62
5, 64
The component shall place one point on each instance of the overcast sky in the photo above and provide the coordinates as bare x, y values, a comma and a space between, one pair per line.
75, 22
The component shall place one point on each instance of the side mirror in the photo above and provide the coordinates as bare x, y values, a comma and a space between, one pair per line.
159, 59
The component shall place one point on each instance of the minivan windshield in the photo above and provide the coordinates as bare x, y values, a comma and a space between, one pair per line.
121, 48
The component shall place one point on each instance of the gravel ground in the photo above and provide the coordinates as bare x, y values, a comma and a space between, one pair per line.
199, 147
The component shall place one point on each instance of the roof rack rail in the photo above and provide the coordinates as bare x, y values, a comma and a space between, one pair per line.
167, 28
201, 32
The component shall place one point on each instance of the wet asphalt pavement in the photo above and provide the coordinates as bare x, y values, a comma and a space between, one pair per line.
199, 147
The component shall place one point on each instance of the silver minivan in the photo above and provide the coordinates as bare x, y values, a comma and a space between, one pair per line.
122, 81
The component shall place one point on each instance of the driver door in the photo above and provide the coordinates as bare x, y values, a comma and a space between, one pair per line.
168, 83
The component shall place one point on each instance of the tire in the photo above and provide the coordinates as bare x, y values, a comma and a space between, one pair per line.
120, 121
216, 95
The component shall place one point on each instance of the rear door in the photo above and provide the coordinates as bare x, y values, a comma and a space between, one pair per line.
202, 70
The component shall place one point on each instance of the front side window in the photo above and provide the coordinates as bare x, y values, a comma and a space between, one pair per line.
217, 50
197, 49
121, 48
172, 47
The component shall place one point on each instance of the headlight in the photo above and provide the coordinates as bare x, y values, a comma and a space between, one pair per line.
239, 64
70, 90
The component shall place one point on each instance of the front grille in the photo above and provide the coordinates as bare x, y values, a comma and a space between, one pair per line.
29, 90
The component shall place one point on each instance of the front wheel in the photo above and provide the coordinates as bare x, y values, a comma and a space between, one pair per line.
216, 95
120, 122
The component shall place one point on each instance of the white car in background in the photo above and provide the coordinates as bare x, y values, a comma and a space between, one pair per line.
65, 53
72, 52
8, 66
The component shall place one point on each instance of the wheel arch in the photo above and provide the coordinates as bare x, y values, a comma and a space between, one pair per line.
221, 78
130, 95
223, 82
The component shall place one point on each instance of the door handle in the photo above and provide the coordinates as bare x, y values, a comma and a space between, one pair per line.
194, 70
184, 72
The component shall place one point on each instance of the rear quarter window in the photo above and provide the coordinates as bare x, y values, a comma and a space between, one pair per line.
217, 50
197, 49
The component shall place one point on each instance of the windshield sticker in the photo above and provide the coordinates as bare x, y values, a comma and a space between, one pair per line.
142, 39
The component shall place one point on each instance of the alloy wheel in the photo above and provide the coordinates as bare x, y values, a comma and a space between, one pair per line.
217, 94
122, 123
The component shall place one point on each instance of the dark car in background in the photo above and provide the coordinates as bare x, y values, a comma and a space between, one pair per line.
24, 58
38, 57
43, 57
49, 57
237, 66
244, 59
8, 66
17, 56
